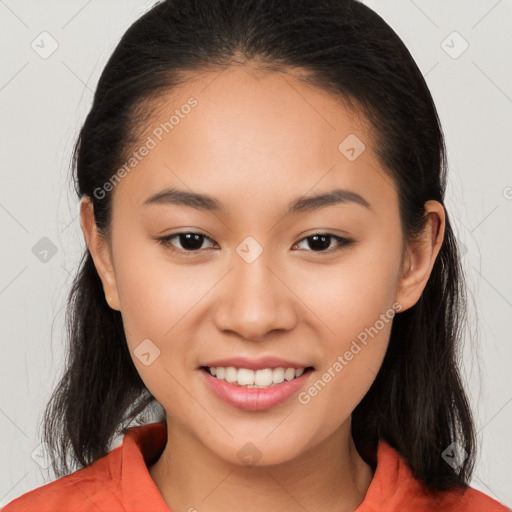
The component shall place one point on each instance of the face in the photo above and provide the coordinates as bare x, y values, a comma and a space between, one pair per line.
254, 281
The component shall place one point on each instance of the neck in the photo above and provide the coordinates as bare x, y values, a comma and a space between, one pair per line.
330, 477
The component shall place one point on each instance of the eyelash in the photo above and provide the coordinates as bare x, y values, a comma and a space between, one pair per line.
165, 241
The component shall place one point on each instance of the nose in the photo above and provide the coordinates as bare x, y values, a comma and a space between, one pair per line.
255, 300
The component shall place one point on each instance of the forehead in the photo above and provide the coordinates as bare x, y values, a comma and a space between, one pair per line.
267, 134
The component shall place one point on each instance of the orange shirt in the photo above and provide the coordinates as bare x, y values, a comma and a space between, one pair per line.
120, 481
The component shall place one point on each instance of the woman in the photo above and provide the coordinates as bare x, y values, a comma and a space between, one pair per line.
270, 260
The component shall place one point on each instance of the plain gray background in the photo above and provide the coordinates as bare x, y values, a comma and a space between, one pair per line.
43, 102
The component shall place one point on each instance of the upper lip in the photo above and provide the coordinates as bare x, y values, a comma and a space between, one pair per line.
255, 363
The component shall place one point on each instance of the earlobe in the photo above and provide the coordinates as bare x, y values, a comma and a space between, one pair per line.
100, 252
420, 256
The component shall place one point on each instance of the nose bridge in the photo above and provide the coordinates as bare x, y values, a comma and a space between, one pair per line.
254, 300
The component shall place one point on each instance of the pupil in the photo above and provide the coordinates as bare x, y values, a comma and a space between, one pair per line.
192, 241
319, 242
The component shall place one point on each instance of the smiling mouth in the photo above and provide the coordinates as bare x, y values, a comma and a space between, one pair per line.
263, 378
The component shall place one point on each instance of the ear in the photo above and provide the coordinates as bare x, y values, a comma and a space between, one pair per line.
420, 256
100, 251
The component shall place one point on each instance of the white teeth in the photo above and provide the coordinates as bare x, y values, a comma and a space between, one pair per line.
264, 378
245, 377
289, 373
278, 375
231, 374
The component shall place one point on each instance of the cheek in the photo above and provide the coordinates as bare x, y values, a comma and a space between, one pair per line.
354, 304
342, 382
350, 362
154, 293
156, 298
349, 296
156, 302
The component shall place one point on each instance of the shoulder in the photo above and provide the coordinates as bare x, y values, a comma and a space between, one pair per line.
415, 497
118, 481
394, 488
470, 500
85, 490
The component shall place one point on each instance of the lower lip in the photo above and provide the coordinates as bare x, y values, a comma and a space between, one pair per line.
254, 399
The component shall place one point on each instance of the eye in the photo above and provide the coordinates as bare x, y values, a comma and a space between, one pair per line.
190, 241
321, 242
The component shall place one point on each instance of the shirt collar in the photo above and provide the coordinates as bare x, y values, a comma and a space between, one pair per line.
142, 445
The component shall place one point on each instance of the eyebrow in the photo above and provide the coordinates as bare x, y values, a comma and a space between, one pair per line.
302, 204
